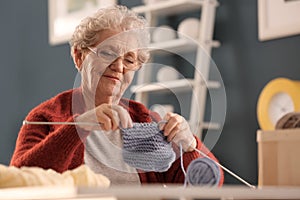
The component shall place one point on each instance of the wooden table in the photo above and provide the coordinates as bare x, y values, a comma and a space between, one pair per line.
151, 192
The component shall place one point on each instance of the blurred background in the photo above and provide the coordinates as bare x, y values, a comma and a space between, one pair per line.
32, 71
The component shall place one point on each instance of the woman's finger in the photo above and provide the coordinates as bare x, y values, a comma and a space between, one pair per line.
105, 120
106, 116
173, 123
173, 133
124, 117
114, 118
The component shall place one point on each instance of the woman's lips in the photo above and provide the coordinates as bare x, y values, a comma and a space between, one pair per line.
112, 77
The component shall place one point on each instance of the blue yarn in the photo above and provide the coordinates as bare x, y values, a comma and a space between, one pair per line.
203, 171
145, 147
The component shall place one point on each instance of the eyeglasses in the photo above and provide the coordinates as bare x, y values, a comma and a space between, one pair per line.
108, 55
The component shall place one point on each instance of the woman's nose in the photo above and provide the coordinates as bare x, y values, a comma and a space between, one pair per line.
117, 65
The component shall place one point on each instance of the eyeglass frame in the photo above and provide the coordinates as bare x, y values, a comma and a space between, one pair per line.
137, 64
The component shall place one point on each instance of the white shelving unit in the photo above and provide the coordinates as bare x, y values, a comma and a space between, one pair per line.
202, 63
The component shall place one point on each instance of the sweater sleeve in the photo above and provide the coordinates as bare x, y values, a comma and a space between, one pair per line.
57, 147
46, 146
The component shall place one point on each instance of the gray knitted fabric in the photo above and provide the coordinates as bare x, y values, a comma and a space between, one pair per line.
145, 147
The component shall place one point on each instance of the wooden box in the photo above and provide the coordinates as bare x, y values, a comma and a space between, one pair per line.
279, 157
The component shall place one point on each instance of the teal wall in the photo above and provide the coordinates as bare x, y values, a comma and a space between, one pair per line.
32, 71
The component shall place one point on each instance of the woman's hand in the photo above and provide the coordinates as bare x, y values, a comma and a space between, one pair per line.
178, 131
109, 117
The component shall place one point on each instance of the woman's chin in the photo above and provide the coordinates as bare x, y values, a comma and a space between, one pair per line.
109, 92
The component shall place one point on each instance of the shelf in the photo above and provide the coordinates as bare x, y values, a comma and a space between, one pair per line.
211, 125
178, 45
169, 7
199, 49
214, 43
175, 46
176, 85
208, 125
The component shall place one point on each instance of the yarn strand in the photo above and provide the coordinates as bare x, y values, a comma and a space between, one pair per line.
227, 170
181, 160
182, 166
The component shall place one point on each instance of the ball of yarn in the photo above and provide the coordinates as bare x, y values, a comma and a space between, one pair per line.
145, 148
203, 171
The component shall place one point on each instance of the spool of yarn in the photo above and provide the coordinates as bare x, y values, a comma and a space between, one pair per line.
145, 148
288, 121
203, 171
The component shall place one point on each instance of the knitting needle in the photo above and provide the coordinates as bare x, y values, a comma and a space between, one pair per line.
227, 170
25, 122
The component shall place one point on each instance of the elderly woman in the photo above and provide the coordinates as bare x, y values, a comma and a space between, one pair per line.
107, 50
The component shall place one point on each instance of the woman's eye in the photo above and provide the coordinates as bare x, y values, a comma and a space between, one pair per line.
131, 61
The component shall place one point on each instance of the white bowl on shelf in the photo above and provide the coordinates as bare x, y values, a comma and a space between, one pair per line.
163, 33
189, 27
167, 73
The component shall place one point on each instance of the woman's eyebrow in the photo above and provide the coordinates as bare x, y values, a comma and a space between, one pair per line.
118, 48
109, 47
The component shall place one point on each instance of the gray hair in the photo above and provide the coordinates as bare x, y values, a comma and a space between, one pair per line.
110, 18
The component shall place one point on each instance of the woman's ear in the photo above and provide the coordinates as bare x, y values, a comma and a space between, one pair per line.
78, 58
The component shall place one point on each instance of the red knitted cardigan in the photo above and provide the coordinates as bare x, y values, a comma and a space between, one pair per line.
61, 147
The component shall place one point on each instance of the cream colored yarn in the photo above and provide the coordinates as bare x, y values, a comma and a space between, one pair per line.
35, 176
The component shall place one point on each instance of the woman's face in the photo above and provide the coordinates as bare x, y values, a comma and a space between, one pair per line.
104, 71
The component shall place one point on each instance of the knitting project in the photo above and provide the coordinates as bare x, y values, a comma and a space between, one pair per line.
203, 171
145, 147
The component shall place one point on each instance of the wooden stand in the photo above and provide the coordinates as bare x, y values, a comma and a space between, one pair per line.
279, 157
